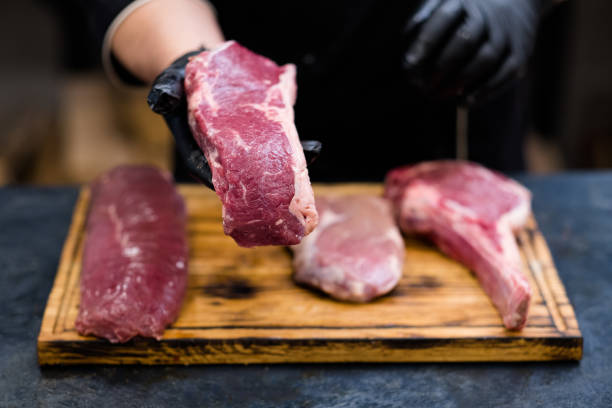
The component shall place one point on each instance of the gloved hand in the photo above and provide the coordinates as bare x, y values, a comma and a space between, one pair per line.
167, 97
470, 48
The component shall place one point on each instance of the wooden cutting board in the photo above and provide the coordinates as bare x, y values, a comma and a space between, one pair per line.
243, 307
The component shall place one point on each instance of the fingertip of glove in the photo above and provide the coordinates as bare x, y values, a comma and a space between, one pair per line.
423, 12
312, 150
161, 102
410, 61
157, 102
414, 57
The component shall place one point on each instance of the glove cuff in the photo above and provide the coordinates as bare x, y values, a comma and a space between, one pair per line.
167, 92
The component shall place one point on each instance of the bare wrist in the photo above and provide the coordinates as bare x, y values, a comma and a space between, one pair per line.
157, 32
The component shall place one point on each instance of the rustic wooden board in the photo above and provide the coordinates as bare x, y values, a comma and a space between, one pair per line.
242, 307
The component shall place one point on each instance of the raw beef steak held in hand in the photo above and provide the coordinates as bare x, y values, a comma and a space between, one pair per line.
356, 253
241, 115
470, 212
134, 271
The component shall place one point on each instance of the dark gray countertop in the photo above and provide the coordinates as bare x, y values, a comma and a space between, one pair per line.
573, 210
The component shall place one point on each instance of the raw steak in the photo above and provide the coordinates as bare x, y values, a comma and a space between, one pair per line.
134, 271
470, 212
241, 115
356, 253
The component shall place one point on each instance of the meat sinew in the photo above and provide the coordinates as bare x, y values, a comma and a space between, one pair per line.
134, 271
356, 253
470, 212
241, 114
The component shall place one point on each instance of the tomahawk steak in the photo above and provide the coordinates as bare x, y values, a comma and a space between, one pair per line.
470, 212
134, 270
356, 253
241, 114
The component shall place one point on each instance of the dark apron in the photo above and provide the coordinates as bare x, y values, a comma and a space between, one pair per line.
353, 96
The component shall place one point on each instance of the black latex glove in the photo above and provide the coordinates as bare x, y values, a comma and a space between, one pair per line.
167, 97
470, 48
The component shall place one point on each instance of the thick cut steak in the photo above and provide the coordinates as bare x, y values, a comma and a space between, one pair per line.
470, 212
134, 271
241, 114
356, 253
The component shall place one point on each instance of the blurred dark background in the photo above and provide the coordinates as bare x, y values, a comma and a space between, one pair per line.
62, 121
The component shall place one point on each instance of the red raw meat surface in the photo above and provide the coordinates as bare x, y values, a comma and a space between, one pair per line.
470, 212
134, 271
356, 253
241, 115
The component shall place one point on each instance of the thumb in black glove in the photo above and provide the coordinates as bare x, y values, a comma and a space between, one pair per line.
167, 97
470, 48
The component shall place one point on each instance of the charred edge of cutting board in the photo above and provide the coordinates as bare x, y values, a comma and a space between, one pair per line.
415, 284
229, 287
266, 350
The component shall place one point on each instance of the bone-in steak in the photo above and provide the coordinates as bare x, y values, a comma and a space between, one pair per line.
470, 212
241, 114
134, 271
356, 253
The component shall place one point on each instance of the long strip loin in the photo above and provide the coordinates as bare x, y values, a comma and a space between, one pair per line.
134, 272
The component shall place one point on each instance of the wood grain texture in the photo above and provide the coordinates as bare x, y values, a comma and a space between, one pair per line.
243, 307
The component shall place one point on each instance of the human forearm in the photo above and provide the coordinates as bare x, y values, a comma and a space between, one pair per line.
160, 31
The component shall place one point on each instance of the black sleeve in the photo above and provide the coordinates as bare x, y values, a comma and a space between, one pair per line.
99, 14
